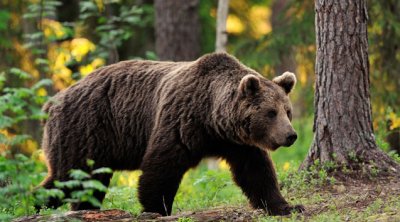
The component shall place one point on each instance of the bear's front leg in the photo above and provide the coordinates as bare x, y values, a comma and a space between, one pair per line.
163, 167
253, 171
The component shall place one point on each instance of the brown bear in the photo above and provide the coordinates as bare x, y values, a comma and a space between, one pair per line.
163, 118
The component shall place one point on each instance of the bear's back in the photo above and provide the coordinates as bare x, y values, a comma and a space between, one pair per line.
110, 112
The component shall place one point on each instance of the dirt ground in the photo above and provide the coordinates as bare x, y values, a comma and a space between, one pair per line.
355, 195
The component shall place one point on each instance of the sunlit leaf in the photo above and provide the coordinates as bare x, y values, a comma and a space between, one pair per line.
20, 73
94, 184
102, 170
79, 174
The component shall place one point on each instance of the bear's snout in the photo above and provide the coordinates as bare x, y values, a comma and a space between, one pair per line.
290, 139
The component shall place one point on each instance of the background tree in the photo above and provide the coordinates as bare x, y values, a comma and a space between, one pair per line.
343, 132
177, 28
222, 35
286, 54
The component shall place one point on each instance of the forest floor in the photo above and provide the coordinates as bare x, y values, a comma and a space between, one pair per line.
376, 199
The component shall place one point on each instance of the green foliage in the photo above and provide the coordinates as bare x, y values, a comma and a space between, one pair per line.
296, 29
299, 181
18, 104
213, 181
207, 26
84, 185
185, 219
36, 40
393, 154
113, 29
383, 34
18, 178
20, 193
4, 20
42, 9
203, 188
124, 198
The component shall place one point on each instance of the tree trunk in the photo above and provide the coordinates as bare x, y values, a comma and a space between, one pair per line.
177, 28
222, 35
343, 131
31, 26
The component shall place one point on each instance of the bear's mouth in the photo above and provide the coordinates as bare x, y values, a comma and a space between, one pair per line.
274, 146
266, 145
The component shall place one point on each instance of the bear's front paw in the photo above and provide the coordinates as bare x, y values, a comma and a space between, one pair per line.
285, 209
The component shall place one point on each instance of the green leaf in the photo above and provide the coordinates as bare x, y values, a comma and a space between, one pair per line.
102, 170
20, 73
40, 61
18, 139
94, 184
67, 184
2, 78
34, 36
89, 162
55, 193
6, 121
4, 18
42, 83
94, 201
79, 174
31, 15
87, 6
23, 92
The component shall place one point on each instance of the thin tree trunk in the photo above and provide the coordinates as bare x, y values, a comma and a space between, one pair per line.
343, 131
33, 127
177, 28
222, 35
113, 56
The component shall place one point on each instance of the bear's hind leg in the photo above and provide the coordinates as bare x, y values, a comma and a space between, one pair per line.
162, 173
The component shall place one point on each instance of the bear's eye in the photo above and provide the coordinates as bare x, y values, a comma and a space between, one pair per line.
271, 114
289, 114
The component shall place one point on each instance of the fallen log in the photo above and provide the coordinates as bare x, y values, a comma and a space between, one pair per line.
218, 214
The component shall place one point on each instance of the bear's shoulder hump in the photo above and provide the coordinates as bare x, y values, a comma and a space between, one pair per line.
217, 61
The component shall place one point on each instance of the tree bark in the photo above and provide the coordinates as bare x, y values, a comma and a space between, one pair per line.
343, 132
177, 28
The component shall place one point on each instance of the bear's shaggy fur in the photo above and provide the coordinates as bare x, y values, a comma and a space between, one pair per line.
163, 118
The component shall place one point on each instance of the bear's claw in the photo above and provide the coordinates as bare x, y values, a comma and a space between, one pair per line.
286, 210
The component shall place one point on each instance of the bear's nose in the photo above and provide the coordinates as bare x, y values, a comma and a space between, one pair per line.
291, 139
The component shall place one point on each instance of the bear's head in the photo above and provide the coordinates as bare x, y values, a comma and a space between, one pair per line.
265, 111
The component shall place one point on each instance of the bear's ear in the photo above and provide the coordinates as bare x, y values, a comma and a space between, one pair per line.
287, 81
249, 85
